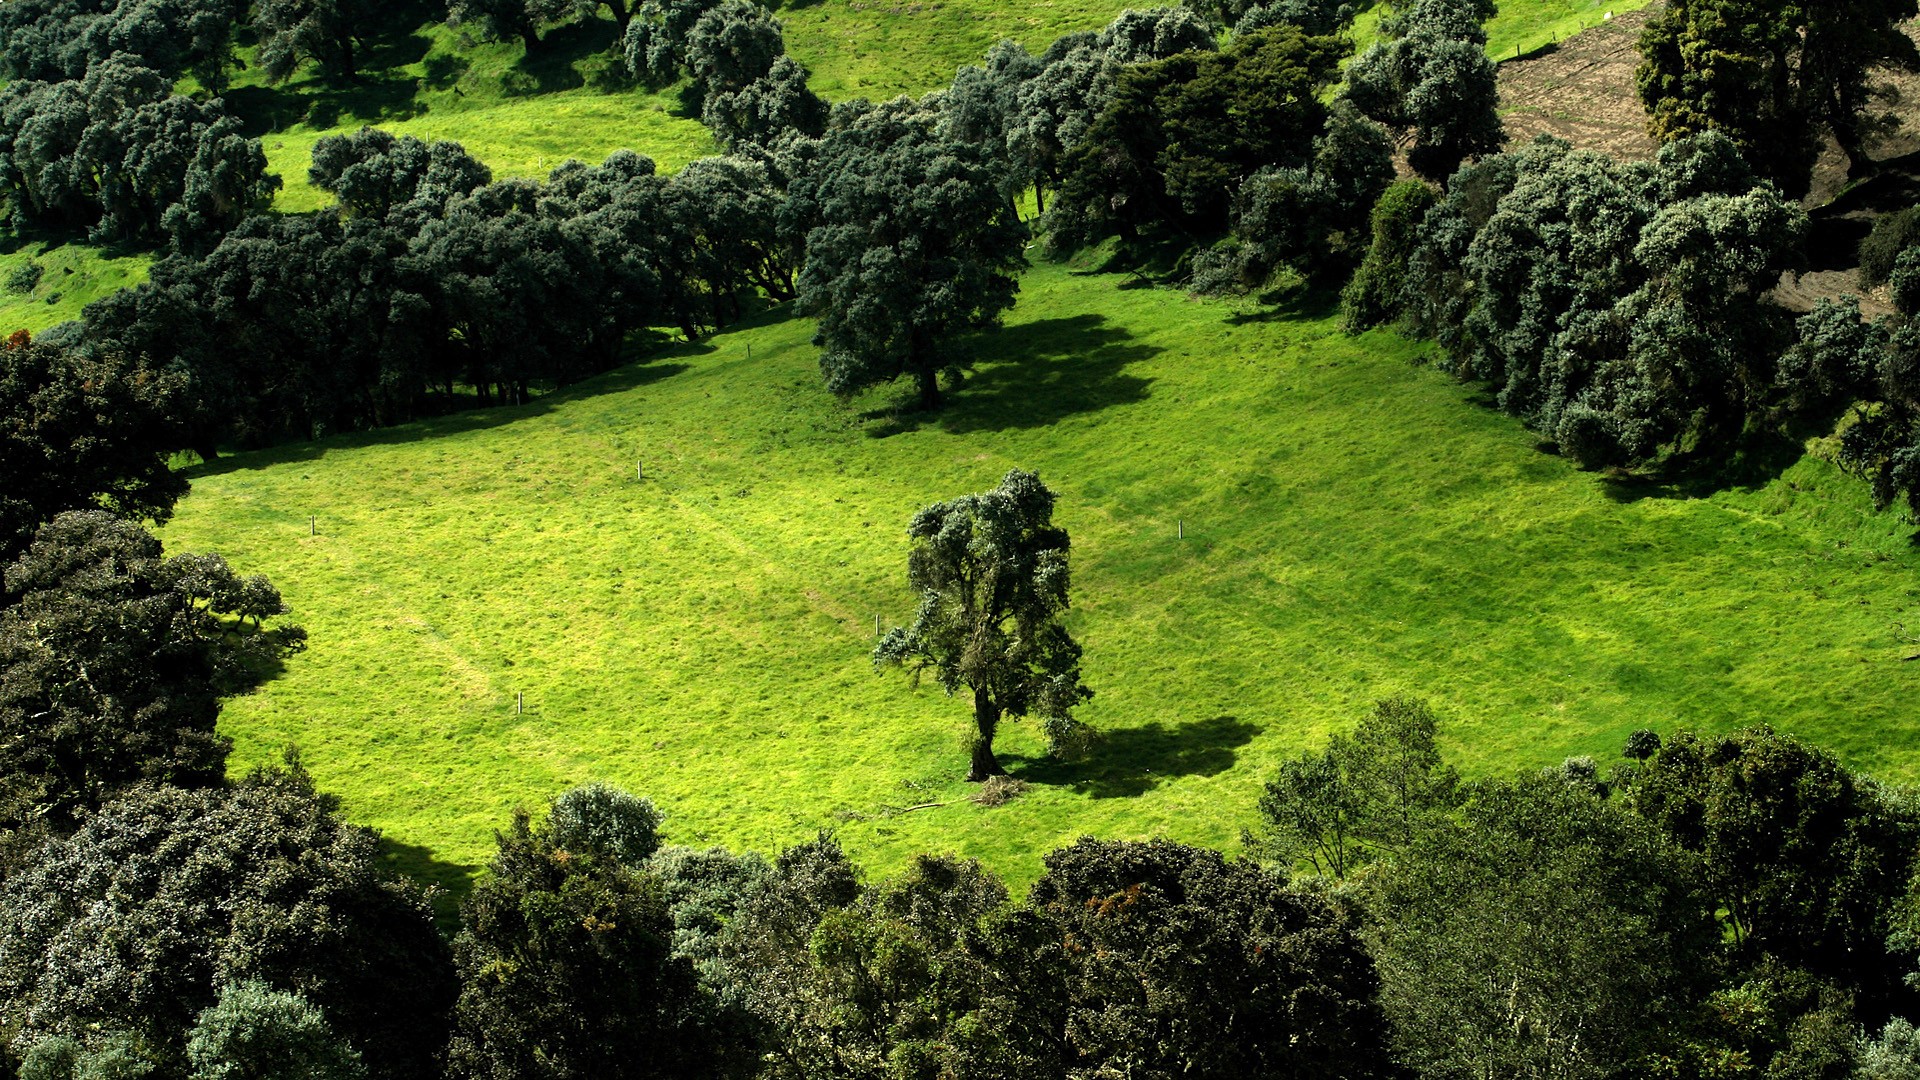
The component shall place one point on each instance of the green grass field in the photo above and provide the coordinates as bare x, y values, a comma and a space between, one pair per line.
1355, 526
74, 275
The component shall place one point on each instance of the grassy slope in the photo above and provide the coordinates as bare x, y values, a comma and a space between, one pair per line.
75, 275
1355, 526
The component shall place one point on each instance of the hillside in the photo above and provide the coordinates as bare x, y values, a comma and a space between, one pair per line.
1355, 526
525, 116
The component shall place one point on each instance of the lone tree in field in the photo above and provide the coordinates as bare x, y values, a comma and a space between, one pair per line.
913, 242
991, 570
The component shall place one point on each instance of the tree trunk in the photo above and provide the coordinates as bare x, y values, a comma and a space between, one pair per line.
986, 717
531, 35
930, 392
349, 70
1039, 198
621, 16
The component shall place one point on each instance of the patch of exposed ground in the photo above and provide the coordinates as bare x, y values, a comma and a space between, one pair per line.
1581, 90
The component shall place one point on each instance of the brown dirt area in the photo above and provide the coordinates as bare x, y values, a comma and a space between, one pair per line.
1582, 90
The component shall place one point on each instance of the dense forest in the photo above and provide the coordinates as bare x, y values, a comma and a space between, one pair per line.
1703, 905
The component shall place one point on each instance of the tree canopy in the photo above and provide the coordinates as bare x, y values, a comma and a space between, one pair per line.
911, 245
991, 570
1774, 75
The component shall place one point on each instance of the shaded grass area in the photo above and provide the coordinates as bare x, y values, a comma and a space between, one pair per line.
74, 275
1355, 526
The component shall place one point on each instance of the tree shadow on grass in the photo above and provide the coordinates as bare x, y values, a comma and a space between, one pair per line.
1291, 305
373, 99
555, 66
1133, 761
453, 881
1034, 375
1759, 458
627, 378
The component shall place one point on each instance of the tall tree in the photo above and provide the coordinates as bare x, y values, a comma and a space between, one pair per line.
992, 572
567, 964
1550, 934
1808, 861
510, 20
912, 245
1178, 136
1431, 78
1369, 793
113, 662
1774, 75
81, 430
292, 32
1174, 961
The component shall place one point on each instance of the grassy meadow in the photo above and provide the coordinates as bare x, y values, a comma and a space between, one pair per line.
1355, 525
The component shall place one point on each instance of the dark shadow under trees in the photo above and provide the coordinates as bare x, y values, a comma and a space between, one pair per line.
1133, 761
1033, 375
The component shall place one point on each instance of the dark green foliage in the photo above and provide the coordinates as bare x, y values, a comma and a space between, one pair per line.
1431, 76
257, 1033
1310, 218
1883, 442
734, 213
113, 662
655, 40
892, 985
1055, 108
292, 32
1317, 17
1179, 136
1175, 962
1774, 75
509, 20
25, 278
1618, 308
83, 429
983, 106
1368, 794
1892, 235
118, 154
1550, 933
138, 921
371, 172
912, 244
1809, 862
428, 277
766, 948
1138, 36
58, 40
748, 90
107, 1055
1837, 356
602, 820
1373, 296
568, 969
992, 573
